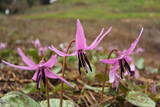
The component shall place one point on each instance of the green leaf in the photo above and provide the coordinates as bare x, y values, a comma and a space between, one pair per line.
55, 103
140, 63
140, 99
65, 86
96, 89
91, 75
5, 53
34, 53
57, 69
71, 59
30, 88
17, 99
152, 70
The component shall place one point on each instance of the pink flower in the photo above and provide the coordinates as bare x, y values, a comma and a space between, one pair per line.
122, 62
81, 46
3, 46
41, 49
139, 50
43, 69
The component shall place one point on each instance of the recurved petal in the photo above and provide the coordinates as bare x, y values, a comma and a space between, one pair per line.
60, 53
113, 74
134, 44
20, 67
111, 61
35, 76
128, 58
52, 75
95, 41
80, 36
51, 62
25, 59
98, 39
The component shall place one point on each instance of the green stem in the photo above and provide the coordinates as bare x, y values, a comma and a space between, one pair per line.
63, 71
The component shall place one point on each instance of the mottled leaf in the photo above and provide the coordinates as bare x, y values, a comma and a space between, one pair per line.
17, 99
30, 88
140, 63
55, 103
140, 99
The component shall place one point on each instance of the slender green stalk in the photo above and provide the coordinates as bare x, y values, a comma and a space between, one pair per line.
63, 71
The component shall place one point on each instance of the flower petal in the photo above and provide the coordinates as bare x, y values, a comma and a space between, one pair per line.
133, 45
111, 61
50, 74
60, 52
20, 67
98, 39
36, 43
25, 59
51, 61
80, 36
128, 58
113, 74
35, 76
95, 41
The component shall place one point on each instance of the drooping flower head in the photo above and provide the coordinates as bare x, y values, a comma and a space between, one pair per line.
81, 46
41, 49
43, 69
122, 61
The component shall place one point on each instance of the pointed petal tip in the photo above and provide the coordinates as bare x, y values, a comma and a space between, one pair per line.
78, 20
19, 49
142, 29
110, 28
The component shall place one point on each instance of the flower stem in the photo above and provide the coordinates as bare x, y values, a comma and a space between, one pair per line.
63, 69
47, 93
105, 71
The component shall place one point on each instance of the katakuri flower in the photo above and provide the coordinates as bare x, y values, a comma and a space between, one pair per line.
43, 69
3, 46
41, 49
122, 61
81, 46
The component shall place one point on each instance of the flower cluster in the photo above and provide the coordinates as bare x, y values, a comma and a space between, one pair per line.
43, 69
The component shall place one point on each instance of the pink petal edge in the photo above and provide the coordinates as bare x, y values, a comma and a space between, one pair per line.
133, 45
51, 62
20, 67
80, 36
50, 74
98, 39
60, 53
25, 59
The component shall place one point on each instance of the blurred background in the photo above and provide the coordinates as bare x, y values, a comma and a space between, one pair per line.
25, 20
53, 22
